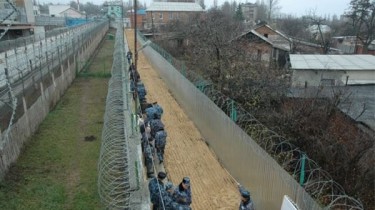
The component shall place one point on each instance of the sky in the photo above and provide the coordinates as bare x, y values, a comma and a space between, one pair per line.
294, 7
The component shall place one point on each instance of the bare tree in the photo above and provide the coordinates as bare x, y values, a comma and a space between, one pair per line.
91, 9
201, 3
273, 7
362, 18
261, 10
226, 8
218, 54
210, 46
324, 38
74, 5
293, 26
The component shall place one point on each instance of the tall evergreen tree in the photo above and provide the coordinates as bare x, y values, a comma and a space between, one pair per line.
239, 15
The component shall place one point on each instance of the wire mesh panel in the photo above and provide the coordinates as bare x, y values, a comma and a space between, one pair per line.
25, 64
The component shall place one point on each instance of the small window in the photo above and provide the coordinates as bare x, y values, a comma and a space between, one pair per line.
176, 16
171, 16
327, 82
161, 15
266, 35
259, 55
274, 53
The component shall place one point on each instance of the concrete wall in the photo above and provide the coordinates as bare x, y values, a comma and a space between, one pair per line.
34, 112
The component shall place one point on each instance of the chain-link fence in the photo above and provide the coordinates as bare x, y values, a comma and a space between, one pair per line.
24, 57
50, 21
33, 76
58, 33
317, 182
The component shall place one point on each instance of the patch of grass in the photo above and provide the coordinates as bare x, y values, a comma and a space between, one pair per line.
95, 74
57, 168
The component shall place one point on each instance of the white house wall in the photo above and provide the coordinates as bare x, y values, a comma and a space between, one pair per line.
361, 77
314, 78
72, 13
55, 10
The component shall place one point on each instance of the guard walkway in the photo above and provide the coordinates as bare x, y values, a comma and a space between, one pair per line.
186, 152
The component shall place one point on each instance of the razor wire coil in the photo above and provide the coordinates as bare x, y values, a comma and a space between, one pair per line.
115, 163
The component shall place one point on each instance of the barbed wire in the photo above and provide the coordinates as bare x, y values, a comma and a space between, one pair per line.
318, 182
114, 161
14, 9
13, 102
288, 156
7, 17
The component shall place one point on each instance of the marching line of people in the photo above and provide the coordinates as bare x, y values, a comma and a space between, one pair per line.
163, 194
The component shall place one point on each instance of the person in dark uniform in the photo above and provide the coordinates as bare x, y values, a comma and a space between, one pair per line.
157, 189
246, 202
182, 193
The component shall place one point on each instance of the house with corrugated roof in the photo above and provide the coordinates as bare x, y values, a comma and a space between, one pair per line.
272, 46
294, 45
331, 70
64, 11
161, 13
350, 77
264, 48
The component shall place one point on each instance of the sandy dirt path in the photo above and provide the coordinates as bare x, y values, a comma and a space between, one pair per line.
186, 152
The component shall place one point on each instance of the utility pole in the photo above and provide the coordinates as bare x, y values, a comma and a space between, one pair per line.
122, 17
135, 35
152, 25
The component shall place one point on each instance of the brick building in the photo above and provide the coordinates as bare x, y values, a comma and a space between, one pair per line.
270, 45
141, 18
160, 13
